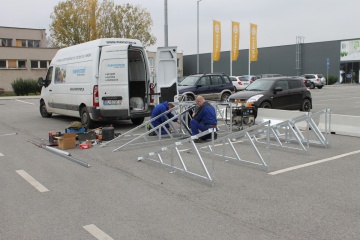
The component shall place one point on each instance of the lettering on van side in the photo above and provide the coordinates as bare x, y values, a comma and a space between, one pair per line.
114, 42
79, 72
116, 65
74, 57
110, 77
77, 89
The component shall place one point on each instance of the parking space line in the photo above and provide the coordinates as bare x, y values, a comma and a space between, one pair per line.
24, 102
313, 163
96, 232
1, 155
32, 181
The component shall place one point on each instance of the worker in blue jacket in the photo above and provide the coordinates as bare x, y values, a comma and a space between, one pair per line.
203, 119
158, 110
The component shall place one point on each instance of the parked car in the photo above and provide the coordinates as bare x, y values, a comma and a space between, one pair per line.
307, 82
267, 75
251, 78
240, 83
277, 93
212, 86
318, 80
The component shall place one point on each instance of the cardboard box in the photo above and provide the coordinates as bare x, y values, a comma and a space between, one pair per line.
67, 141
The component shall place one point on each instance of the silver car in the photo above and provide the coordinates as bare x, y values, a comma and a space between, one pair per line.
317, 80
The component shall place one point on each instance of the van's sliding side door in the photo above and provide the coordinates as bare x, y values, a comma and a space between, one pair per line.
166, 74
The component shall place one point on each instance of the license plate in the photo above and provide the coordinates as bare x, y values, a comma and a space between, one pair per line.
112, 102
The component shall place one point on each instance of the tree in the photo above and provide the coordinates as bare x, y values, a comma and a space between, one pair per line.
78, 21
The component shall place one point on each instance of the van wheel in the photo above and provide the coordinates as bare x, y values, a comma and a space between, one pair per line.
137, 121
319, 87
43, 111
85, 118
312, 86
225, 97
306, 105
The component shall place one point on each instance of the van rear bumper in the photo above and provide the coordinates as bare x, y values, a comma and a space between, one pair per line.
107, 115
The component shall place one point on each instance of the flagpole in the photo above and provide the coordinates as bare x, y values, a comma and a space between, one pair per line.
230, 64
250, 50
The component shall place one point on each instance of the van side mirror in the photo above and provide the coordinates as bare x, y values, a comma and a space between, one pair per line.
41, 82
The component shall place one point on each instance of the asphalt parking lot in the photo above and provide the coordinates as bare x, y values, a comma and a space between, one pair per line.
46, 196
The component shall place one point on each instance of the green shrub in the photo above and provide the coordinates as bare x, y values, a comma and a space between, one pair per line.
332, 80
23, 87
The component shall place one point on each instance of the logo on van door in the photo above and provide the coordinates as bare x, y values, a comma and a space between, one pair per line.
116, 65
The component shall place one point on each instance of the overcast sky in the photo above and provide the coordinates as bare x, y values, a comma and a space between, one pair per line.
279, 21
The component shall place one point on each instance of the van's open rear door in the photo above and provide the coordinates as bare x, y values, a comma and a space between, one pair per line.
166, 74
113, 79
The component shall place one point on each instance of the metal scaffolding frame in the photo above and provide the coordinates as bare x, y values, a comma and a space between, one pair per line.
301, 130
183, 166
180, 112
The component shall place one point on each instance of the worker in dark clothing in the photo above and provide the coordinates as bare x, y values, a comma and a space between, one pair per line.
203, 119
158, 110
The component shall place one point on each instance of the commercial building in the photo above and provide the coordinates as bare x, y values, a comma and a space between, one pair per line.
326, 58
23, 54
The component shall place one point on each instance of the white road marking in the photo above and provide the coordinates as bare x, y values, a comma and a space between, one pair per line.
1, 155
32, 181
96, 232
24, 102
313, 163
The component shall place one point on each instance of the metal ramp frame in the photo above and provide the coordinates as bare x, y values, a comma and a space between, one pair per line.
198, 149
248, 134
133, 137
291, 131
175, 151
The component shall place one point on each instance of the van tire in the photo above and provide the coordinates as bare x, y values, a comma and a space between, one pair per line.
43, 111
312, 86
137, 121
85, 118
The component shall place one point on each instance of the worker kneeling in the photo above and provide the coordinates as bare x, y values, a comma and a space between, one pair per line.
203, 119
159, 110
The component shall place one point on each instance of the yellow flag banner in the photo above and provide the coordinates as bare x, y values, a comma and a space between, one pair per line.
235, 40
216, 40
253, 43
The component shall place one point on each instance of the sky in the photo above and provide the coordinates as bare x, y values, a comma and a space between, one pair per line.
279, 21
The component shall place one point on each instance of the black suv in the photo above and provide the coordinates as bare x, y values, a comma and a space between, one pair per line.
278, 93
212, 86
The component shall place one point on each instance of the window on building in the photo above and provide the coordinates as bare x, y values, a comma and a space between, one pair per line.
2, 63
43, 64
151, 61
6, 42
21, 63
12, 63
178, 62
23, 43
39, 64
34, 64
33, 43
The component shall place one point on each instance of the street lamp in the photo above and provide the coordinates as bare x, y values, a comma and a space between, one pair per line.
198, 36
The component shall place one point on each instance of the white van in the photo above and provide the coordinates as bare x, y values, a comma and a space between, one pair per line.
107, 79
